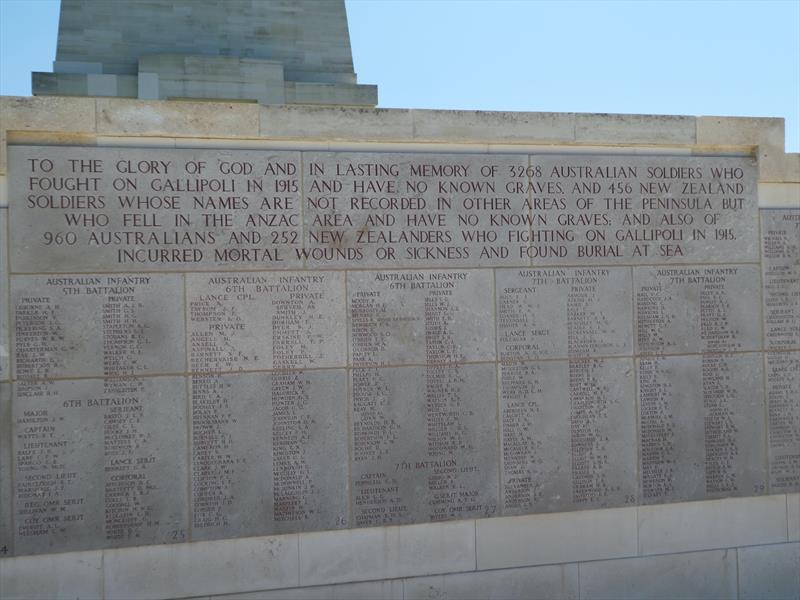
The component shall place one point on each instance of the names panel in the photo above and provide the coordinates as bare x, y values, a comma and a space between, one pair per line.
222, 343
249, 321
422, 317
783, 391
564, 312
424, 444
99, 463
267, 453
701, 427
568, 435
97, 325
696, 309
780, 238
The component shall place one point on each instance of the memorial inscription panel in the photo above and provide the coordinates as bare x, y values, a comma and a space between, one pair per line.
223, 343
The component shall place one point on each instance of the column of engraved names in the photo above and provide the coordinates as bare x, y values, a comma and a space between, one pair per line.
704, 312
115, 437
97, 325
780, 234
580, 316
256, 321
437, 402
783, 390
780, 231
292, 421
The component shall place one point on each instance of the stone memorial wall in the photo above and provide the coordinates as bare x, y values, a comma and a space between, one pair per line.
212, 344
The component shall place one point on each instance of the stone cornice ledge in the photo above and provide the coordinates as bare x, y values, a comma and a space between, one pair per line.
79, 120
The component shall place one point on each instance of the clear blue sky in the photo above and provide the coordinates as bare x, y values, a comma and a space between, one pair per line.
694, 58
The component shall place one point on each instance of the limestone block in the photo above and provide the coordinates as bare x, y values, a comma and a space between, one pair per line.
300, 92
659, 130
101, 85
697, 309
779, 195
556, 538
51, 114
97, 326
537, 309
57, 576
700, 575
59, 84
740, 131
498, 127
712, 524
200, 568
557, 582
769, 572
56, 114
386, 552
784, 168
391, 589
185, 119
335, 123
793, 516
403, 325
767, 134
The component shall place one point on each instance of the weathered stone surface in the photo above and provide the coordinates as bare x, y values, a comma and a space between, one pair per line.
568, 435
124, 209
701, 427
696, 309
783, 391
5, 341
409, 210
424, 444
250, 321
563, 312
6, 526
420, 317
97, 325
99, 463
268, 453
643, 209
780, 238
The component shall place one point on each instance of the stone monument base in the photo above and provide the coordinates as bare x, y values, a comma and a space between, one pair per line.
746, 546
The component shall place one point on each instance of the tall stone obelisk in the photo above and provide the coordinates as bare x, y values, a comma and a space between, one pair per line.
270, 51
